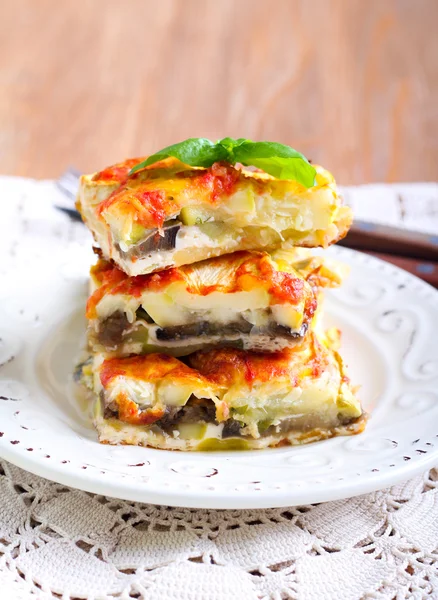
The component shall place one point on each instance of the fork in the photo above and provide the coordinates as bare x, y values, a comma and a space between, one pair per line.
68, 184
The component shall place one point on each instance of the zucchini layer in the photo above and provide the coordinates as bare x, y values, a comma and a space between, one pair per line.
201, 437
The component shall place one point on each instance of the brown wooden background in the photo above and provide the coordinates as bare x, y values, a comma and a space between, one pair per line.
351, 83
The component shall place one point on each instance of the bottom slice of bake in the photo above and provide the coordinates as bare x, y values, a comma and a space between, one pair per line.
224, 398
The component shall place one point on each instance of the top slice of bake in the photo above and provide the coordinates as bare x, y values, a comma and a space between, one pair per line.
170, 214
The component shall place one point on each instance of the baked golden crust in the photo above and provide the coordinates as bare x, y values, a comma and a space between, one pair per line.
131, 435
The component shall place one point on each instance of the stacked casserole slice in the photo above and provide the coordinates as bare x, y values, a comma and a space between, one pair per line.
204, 331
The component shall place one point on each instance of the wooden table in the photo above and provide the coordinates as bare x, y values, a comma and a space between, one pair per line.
351, 83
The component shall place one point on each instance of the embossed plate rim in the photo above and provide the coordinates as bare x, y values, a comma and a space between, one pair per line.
257, 479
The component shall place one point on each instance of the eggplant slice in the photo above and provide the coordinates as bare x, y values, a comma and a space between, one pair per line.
156, 241
116, 333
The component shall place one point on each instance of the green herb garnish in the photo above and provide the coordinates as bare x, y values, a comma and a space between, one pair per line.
278, 160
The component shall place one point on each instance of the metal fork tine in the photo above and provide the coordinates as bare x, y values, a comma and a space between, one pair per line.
66, 190
68, 184
71, 171
69, 178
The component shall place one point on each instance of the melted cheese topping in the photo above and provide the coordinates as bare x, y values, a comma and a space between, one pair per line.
159, 192
142, 387
219, 289
230, 368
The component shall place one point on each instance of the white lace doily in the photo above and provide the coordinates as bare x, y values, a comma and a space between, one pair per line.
56, 542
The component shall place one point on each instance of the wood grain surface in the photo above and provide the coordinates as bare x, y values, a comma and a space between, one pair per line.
351, 83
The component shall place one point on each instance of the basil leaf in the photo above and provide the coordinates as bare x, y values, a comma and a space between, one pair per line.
196, 152
278, 160
230, 144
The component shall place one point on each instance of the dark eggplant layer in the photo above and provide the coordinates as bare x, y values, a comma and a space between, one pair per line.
184, 332
231, 428
194, 411
156, 241
111, 331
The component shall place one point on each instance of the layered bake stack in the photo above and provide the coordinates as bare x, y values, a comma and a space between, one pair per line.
203, 321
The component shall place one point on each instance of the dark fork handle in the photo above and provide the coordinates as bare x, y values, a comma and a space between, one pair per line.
71, 212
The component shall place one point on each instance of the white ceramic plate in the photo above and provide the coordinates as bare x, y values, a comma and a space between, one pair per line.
389, 321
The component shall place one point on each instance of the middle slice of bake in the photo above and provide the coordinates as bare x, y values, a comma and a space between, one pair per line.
247, 300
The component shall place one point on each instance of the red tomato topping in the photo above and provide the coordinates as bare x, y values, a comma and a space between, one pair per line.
154, 205
221, 178
118, 172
